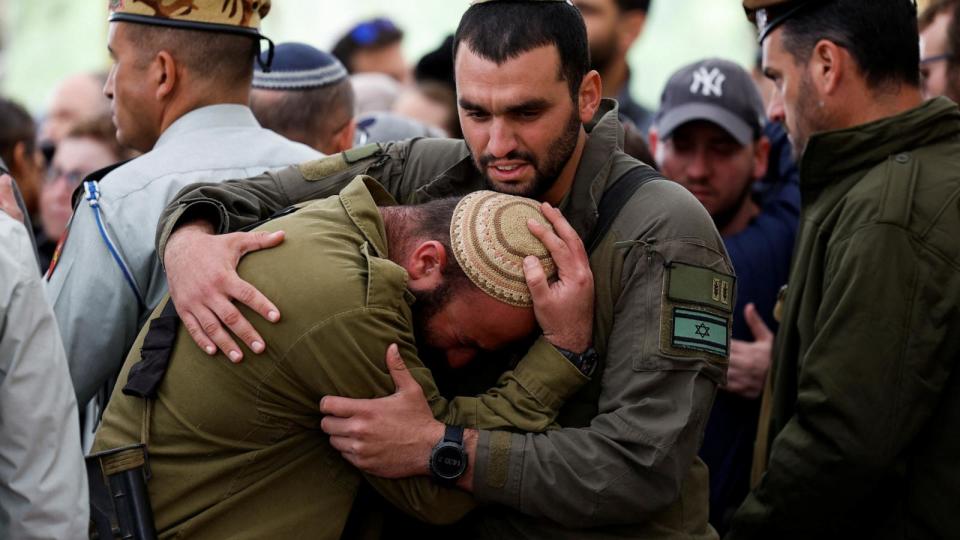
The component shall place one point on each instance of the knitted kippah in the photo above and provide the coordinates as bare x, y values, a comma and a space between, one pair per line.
298, 66
490, 239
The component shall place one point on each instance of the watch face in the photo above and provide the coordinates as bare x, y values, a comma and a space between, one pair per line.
448, 461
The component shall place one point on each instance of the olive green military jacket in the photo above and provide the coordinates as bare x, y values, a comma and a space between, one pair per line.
236, 451
625, 462
865, 428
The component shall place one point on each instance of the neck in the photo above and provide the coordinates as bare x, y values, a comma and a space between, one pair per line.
614, 77
883, 103
565, 181
183, 103
731, 224
393, 223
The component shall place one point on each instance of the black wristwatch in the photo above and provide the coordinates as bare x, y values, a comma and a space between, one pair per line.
586, 361
448, 461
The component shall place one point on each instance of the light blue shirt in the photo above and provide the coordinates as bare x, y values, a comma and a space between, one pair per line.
98, 313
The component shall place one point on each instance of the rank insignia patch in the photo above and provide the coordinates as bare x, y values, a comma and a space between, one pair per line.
700, 331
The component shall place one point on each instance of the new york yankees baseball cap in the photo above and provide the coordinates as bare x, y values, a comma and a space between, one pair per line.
715, 90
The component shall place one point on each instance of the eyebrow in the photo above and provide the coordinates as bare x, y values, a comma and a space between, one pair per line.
529, 105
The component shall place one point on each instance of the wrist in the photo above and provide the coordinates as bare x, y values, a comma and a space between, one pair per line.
431, 435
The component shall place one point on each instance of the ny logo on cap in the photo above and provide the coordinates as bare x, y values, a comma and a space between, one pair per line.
708, 82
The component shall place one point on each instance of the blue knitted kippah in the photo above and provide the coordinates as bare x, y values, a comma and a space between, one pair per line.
298, 66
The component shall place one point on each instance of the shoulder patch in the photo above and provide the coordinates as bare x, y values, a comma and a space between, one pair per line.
323, 167
701, 286
696, 312
363, 152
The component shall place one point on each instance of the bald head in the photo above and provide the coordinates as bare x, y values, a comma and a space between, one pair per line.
77, 98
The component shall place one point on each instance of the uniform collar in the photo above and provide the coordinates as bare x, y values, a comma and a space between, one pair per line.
360, 199
210, 117
835, 154
604, 141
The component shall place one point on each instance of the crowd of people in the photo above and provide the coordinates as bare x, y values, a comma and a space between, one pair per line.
266, 291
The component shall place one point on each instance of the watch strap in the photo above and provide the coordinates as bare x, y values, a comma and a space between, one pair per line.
453, 434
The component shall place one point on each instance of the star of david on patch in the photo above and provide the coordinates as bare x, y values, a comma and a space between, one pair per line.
703, 330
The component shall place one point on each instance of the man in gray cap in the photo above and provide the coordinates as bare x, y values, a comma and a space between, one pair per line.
306, 97
179, 87
709, 136
866, 381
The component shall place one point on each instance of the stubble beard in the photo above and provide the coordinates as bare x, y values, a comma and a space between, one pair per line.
545, 174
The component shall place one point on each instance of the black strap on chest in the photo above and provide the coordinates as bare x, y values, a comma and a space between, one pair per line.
614, 199
147, 374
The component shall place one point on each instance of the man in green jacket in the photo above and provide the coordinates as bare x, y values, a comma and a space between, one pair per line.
866, 383
236, 451
624, 465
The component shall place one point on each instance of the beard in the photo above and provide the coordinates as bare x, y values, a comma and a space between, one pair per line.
545, 172
425, 307
808, 117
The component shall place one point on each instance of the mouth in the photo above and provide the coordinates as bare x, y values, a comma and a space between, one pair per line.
508, 172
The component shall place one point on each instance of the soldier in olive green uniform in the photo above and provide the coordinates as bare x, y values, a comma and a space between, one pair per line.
236, 451
866, 383
624, 465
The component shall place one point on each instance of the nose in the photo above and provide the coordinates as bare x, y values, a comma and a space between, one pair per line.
698, 167
775, 111
503, 139
108, 86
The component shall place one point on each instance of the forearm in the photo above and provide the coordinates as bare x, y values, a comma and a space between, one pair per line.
613, 471
527, 398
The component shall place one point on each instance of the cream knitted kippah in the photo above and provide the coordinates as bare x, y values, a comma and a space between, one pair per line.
490, 239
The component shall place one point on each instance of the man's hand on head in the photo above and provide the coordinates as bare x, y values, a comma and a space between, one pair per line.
750, 361
202, 275
564, 308
8, 201
390, 437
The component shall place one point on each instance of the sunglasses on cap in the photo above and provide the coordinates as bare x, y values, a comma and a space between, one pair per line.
369, 32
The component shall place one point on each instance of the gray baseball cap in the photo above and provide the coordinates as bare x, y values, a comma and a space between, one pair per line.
714, 90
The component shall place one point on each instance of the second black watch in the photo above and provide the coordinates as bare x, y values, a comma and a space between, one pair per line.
448, 460
586, 361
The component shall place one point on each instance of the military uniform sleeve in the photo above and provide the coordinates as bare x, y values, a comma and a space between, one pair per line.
633, 457
43, 487
96, 310
346, 357
869, 382
401, 167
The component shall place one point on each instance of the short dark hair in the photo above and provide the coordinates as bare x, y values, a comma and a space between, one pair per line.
16, 126
305, 115
219, 57
500, 31
431, 221
881, 35
634, 5
366, 35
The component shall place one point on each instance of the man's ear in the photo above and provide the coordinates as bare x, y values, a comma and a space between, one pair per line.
425, 265
343, 139
761, 157
163, 73
653, 137
591, 92
630, 27
828, 64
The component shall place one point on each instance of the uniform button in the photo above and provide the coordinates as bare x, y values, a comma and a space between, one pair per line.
902, 158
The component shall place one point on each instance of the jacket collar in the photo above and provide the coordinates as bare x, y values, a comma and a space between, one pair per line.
360, 199
836, 154
604, 141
